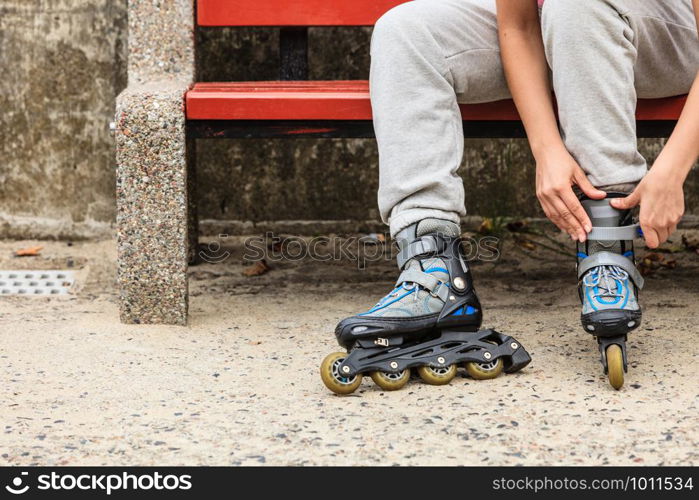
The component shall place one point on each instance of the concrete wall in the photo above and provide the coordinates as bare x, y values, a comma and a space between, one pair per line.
330, 179
63, 63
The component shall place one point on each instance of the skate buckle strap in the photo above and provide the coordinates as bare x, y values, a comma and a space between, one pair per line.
610, 259
618, 233
600, 210
423, 246
605, 222
436, 287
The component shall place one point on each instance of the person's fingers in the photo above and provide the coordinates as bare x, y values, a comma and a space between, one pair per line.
578, 212
586, 186
651, 236
554, 216
567, 219
625, 203
549, 210
662, 235
672, 224
556, 210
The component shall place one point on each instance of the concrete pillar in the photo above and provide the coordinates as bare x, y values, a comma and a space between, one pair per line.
153, 157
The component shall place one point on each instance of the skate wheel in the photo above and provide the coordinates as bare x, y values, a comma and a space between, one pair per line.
485, 371
437, 376
391, 381
333, 380
615, 366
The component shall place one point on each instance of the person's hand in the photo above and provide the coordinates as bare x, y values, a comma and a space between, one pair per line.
661, 198
555, 175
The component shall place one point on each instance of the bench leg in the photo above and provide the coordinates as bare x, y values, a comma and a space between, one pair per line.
152, 204
193, 221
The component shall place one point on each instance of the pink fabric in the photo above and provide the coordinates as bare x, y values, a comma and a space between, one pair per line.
541, 2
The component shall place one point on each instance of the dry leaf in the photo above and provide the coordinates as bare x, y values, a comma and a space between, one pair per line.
524, 242
527, 244
671, 249
654, 261
278, 244
517, 226
654, 257
486, 226
671, 264
258, 268
29, 252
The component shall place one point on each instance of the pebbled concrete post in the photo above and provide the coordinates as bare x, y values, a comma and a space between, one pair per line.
154, 161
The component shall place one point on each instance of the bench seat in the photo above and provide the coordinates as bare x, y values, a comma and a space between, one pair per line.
292, 12
346, 100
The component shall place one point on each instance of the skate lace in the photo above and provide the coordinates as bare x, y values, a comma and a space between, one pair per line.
408, 286
606, 280
405, 287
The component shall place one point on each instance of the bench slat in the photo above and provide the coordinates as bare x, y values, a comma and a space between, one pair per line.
292, 13
345, 100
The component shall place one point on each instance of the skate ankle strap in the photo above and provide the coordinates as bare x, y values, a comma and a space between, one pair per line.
436, 287
610, 259
605, 222
422, 247
614, 233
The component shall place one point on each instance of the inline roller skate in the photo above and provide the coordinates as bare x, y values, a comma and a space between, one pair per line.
429, 321
608, 283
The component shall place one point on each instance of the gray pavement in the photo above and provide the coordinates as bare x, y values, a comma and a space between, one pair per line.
240, 384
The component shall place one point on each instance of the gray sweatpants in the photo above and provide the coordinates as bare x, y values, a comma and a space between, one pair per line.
428, 55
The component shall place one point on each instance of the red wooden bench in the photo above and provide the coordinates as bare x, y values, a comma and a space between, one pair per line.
295, 107
156, 174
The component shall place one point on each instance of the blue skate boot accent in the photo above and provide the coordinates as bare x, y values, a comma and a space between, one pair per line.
434, 289
608, 281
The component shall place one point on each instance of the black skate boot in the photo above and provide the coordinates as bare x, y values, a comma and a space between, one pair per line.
608, 283
430, 320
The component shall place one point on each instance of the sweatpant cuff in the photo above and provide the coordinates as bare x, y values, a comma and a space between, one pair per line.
626, 187
402, 220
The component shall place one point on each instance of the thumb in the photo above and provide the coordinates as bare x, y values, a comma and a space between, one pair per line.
625, 203
586, 186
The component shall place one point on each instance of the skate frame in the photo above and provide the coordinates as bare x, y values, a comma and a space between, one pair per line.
450, 347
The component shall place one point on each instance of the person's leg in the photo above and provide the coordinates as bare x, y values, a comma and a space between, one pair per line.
665, 36
604, 54
424, 53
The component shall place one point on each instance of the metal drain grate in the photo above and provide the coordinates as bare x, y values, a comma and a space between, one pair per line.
36, 283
